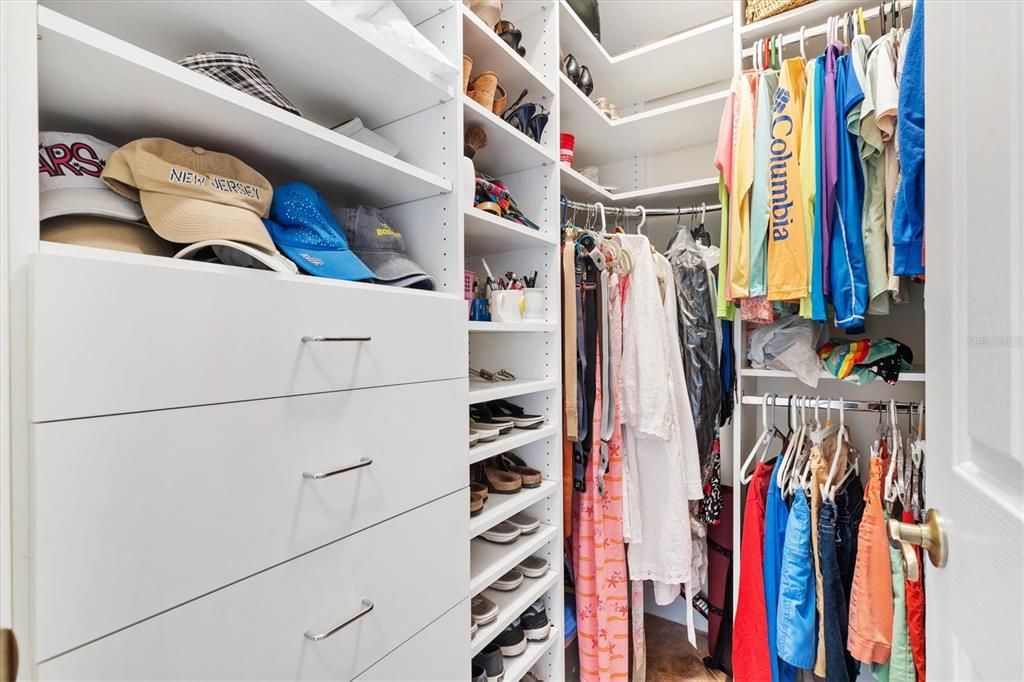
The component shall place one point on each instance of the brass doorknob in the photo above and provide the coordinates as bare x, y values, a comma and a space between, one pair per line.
930, 535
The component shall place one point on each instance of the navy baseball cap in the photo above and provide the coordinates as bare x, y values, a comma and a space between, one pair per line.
304, 229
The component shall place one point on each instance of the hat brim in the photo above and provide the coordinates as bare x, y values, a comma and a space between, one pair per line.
390, 267
238, 254
333, 264
99, 202
187, 221
102, 232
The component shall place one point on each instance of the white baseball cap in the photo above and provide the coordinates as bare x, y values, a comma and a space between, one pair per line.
238, 254
70, 165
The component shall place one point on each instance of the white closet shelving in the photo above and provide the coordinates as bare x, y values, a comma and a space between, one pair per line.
529, 349
667, 73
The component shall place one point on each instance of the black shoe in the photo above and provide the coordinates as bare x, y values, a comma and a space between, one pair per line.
534, 622
585, 82
491, 661
477, 673
512, 641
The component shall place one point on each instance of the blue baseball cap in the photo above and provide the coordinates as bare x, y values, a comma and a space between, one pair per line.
304, 229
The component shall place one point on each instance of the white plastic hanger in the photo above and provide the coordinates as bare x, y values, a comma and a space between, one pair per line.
643, 219
794, 438
803, 43
828, 489
762, 442
778, 49
892, 492
604, 224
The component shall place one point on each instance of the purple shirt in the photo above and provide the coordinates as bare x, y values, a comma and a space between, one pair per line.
829, 158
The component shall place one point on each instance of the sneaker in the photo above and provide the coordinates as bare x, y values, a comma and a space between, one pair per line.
502, 533
533, 567
477, 673
483, 609
534, 622
512, 640
491, 661
509, 581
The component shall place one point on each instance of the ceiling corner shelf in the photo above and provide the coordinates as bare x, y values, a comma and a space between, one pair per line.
82, 70
600, 140
490, 53
686, 193
642, 74
507, 150
418, 11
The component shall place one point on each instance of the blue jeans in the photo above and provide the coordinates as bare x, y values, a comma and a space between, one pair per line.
837, 548
797, 618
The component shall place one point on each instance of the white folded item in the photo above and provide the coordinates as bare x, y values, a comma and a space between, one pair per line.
355, 129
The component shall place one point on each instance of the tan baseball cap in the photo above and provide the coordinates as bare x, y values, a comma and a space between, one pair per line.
190, 194
105, 233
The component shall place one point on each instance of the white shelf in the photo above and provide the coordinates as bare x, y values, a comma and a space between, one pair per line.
500, 507
516, 438
336, 74
488, 561
491, 53
507, 150
695, 57
486, 233
482, 391
809, 15
644, 22
600, 140
418, 11
510, 606
82, 71
513, 327
516, 667
691, 192
915, 375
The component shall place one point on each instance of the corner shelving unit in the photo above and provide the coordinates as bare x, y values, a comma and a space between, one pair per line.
529, 349
669, 92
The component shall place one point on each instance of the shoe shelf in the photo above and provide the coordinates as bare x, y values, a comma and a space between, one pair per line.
490, 53
82, 70
507, 150
500, 507
510, 606
580, 188
600, 140
517, 438
363, 79
488, 561
539, 326
483, 391
516, 667
653, 70
486, 233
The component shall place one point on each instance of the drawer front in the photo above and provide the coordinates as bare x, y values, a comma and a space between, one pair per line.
440, 652
412, 569
137, 513
112, 337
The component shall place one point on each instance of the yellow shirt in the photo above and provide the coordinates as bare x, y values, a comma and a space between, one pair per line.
808, 169
788, 272
742, 180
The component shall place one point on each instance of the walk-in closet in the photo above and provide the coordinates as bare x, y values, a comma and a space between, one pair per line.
511, 340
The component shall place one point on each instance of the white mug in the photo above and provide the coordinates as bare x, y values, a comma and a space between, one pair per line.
536, 300
505, 305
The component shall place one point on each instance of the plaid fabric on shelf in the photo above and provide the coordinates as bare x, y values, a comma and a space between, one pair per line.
241, 72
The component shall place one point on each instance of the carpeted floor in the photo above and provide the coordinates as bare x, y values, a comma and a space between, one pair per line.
670, 658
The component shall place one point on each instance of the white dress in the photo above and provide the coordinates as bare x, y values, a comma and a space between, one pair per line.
659, 444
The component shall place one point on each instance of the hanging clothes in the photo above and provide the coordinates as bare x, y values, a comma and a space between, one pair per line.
767, 82
787, 246
797, 632
829, 160
808, 192
751, 658
776, 518
740, 188
908, 223
819, 276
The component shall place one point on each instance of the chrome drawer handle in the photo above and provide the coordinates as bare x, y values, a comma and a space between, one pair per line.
367, 607
363, 462
317, 339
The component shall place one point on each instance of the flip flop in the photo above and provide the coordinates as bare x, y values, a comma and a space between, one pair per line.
478, 489
483, 609
533, 567
527, 524
476, 504
502, 534
485, 433
483, 417
503, 409
501, 481
509, 581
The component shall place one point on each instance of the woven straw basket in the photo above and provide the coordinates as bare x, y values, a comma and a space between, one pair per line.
762, 9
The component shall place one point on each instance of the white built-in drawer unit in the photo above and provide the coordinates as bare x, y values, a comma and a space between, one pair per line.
411, 569
140, 512
433, 654
111, 337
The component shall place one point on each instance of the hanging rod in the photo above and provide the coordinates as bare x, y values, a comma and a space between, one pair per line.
826, 403
820, 29
649, 212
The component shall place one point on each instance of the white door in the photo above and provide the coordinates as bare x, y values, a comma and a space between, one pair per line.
975, 336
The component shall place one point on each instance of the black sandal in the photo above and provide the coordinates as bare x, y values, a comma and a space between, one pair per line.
503, 409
